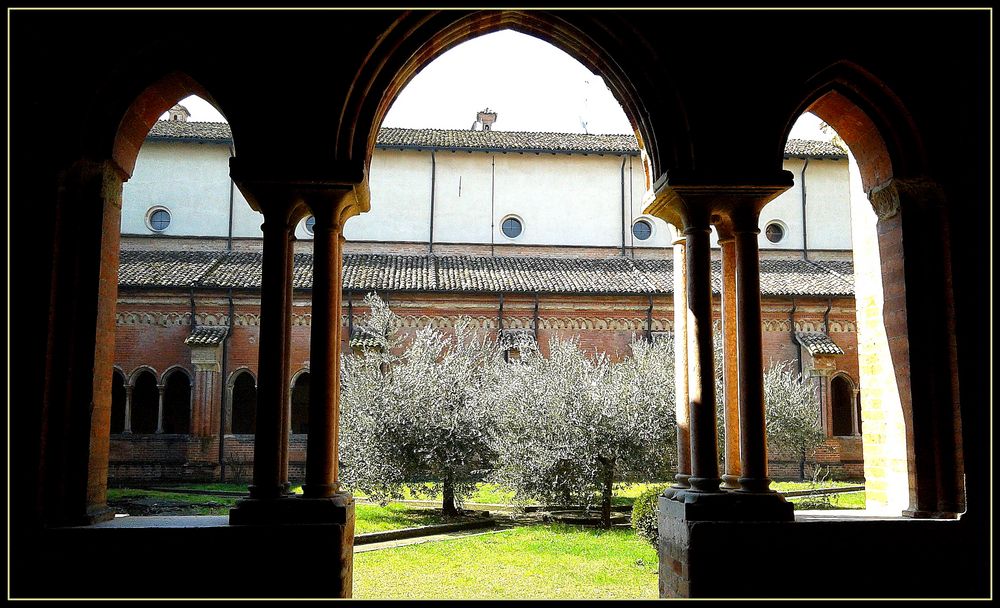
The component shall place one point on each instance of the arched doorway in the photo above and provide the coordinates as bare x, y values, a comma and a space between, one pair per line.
177, 402
145, 402
244, 404
842, 406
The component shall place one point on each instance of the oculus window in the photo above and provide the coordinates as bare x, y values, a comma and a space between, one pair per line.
774, 232
642, 230
511, 227
310, 224
157, 219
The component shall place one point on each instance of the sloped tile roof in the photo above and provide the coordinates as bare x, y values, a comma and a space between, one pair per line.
389, 272
458, 139
818, 343
164, 268
813, 148
454, 139
206, 335
801, 278
553, 275
200, 131
467, 273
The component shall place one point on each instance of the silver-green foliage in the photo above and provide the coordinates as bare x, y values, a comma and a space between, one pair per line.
577, 422
426, 414
792, 411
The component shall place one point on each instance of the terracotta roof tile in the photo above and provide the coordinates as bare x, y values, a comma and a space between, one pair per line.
458, 139
164, 268
818, 343
467, 273
206, 335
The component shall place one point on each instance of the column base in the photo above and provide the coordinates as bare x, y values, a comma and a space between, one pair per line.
730, 482
692, 505
290, 510
918, 514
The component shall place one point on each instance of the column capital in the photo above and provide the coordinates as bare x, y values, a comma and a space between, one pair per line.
919, 192
283, 188
686, 196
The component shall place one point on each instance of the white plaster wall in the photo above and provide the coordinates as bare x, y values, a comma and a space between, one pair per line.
192, 181
828, 207
562, 199
400, 183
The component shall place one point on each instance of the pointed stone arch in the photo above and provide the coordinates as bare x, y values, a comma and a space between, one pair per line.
604, 43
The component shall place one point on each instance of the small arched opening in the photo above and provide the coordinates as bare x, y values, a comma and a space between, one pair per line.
177, 402
244, 404
842, 406
145, 402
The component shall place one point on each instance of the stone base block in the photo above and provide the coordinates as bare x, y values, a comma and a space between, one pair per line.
291, 510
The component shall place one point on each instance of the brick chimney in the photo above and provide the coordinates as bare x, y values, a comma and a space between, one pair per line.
486, 118
178, 113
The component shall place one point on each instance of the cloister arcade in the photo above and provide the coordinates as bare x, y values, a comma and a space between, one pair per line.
918, 138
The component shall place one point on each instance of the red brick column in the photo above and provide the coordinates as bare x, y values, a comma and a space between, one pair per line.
681, 365
753, 437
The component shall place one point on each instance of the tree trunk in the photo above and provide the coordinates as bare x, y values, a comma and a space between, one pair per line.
802, 465
609, 478
448, 506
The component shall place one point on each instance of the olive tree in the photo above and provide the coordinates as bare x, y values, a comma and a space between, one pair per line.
426, 414
791, 413
576, 423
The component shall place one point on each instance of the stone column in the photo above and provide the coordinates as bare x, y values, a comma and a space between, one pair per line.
271, 393
753, 437
128, 410
701, 372
324, 355
680, 365
286, 353
161, 389
730, 479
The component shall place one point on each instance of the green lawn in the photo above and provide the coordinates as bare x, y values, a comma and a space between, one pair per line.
536, 562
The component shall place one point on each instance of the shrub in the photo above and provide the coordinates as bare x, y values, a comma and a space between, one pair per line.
644, 513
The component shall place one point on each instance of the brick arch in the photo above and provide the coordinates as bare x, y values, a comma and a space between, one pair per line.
236, 372
131, 378
414, 40
917, 399
298, 396
869, 117
174, 369
146, 108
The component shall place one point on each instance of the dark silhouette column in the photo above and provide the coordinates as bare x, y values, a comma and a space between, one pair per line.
268, 477
701, 372
753, 436
324, 356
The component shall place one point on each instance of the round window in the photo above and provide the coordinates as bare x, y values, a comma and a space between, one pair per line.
511, 227
774, 232
310, 224
642, 230
158, 219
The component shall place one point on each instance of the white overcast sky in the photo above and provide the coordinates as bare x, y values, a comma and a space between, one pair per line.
530, 84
